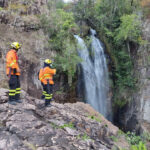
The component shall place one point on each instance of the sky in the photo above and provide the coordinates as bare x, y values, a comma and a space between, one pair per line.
67, 1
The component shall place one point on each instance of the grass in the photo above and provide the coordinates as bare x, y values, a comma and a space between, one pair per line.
1, 8
83, 137
114, 138
31, 146
146, 136
54, 125
95, 118
69, 125
136, 142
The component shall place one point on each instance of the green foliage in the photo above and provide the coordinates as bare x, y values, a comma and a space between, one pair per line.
1, 8
55, 4
118, 25
83, 137
60, 26
119, 102
146, 136
140, 146
55, 126
129, 28
95, 118
116, 22
68, 60
124, 79
132, 138
69, 125
114, 138
120, 132
136, 142
123, 71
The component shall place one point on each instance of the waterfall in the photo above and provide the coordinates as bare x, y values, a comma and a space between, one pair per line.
94, 73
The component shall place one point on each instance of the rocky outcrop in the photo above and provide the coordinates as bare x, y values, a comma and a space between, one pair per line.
20, 21
136, 115
29, 126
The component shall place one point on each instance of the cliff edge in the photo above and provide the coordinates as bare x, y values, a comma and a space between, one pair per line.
31, 126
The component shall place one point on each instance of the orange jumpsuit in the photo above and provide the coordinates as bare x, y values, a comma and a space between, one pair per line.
12, 62
46, 78
47, 74
12, 67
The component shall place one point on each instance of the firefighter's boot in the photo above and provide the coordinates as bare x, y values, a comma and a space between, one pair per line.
17, 98
47, 103
12, 100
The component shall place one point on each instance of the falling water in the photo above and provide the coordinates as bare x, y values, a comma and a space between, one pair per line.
95, 73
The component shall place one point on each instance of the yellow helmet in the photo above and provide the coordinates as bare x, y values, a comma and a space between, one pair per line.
15, 45
48, 61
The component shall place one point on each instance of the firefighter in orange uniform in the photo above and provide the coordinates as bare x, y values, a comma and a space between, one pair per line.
13, 73
46, 77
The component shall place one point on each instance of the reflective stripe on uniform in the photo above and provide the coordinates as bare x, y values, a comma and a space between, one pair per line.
47, 97
48, 78
11, 91
12, 63
12, 94
44, 76
18, 92
44, 92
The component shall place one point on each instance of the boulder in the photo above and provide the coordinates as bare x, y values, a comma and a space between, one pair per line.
30, 125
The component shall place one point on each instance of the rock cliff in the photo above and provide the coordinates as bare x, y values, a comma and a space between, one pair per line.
136, 115
30, 126
19, 21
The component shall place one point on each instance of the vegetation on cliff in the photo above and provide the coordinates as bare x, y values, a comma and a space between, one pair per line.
60, 26
119, 26
117, 22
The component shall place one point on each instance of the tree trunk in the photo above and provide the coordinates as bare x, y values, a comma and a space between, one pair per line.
128, 48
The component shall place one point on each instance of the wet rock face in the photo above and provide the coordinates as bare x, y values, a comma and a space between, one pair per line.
136, 115
60, 127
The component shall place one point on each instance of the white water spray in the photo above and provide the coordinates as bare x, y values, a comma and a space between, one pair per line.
95, 73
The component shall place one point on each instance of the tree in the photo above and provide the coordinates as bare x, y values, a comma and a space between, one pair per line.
129, 30
59, 27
